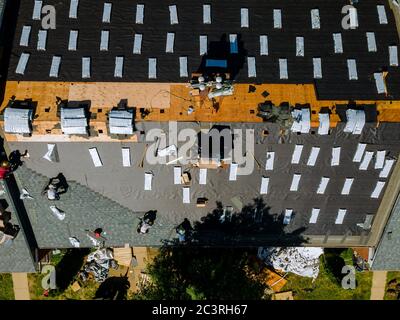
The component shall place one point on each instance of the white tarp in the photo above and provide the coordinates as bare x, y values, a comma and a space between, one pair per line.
51, 154
371, 42
95, 157
317, 68
347, 186
203, 45
382, 14
323, 128
206, 13
277, 15
152, 68
303, 261
233, 171
173, 14
283, 69
386, 168
322, 185
269, 164
203, 176
120, 122
288, 216
186, 194
183, 67
340, 216
37, 10
126, 157
137, 43
295, 182
299, 46
73, 40
302, 120
352, 69
335, 161
107, 12
312, 159
355, 121
263, 45
251, 65
17, 120
177, 175
22, 62
169, 46
378, 188
73, 121
380, 83
393, 56
148, 178
314, 215
380, 159
359, 152
366, 160
73, 9
298, 149
264, 185
139, 14
60, 215
24, 40
244, 17
315, 22
337, 43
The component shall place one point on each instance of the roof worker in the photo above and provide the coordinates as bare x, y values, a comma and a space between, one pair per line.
143, 227
51, 191
5, 170
15, 159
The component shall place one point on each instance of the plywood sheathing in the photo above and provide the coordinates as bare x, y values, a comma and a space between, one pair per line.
170, 102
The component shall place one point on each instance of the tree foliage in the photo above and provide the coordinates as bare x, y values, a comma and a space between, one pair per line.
185, 273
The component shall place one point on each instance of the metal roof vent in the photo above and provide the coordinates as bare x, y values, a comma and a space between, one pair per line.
18, 120
120, 122
74, 121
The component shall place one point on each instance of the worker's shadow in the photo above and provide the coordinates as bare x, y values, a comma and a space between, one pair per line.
60, 182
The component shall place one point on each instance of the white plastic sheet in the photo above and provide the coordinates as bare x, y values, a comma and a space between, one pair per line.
359, 152
347, 186
298, 149
264, 185
335, 160
322, 185
314, 215
177, 175
269, 164
295, 182
378, 189
340, 216
95, 157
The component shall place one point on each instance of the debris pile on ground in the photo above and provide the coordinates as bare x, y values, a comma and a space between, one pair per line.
301, 261
98, 263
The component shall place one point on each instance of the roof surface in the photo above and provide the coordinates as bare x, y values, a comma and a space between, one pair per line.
87, 208
17, 257
387, 255
225, 20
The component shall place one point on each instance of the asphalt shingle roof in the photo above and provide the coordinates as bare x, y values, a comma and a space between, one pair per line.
387, 255
17, 257
85, 209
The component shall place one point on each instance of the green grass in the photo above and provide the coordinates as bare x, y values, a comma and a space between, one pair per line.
392, 275
67, 264
327, 286
6, 287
